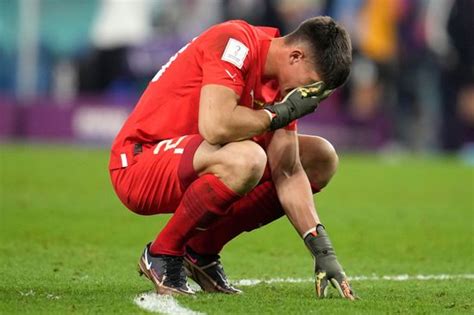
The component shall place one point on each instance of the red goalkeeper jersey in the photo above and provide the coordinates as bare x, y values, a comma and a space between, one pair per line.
232, 54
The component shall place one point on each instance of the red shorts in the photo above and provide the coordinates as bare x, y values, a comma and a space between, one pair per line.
160, 174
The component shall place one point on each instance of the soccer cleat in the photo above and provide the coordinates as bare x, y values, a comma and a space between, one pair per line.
207, 271
166, 272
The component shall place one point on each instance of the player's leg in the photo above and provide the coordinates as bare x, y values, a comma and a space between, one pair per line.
202, 261
165, 176
225, 173
152, 183
259, 207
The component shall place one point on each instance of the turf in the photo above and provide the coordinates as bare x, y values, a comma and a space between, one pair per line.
68, 245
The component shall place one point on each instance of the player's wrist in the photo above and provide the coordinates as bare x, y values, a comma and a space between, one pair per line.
271, 114
276, 120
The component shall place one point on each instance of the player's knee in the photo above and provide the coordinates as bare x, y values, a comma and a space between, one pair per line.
240, 165
322, 163
328, 157
328, 168
243, 165
248, 162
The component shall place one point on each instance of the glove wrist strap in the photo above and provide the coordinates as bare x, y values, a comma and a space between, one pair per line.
318, 242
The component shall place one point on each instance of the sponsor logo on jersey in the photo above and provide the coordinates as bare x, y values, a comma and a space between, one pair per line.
235, 52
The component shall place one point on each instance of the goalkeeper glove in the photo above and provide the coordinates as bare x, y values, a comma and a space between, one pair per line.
327, 268
298, 103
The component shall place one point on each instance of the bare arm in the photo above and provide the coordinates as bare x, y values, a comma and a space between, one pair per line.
222, 120
294, 192
291, 182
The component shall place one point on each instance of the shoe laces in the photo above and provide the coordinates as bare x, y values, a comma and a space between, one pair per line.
218, 267
174, 270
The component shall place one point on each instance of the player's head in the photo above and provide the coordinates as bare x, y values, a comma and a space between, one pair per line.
322, 50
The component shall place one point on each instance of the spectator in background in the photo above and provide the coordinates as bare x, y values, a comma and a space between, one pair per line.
118, 26
378, 43
458, 79
417, 76
420, 53
133, 38
293, 11
174, 24
255, 12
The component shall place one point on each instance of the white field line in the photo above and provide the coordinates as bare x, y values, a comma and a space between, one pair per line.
405, 277
165, 304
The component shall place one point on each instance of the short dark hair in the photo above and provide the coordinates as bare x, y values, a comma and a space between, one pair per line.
331, 48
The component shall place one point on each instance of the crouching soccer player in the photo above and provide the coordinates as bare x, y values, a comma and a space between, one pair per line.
213, 140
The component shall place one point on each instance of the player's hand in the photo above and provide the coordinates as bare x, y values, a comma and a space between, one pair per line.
337, 279
327, 268
298, 103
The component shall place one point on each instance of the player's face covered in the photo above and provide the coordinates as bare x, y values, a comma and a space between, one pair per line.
298, 71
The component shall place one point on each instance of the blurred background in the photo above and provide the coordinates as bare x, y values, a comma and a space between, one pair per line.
71, 71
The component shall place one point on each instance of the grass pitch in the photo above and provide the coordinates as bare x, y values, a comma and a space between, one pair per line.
68, 245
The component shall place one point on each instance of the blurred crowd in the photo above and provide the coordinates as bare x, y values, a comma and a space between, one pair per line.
413, 59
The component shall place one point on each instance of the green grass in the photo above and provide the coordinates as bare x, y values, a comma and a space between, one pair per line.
69, 246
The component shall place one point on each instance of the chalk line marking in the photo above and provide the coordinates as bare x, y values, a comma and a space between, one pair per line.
165, 304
